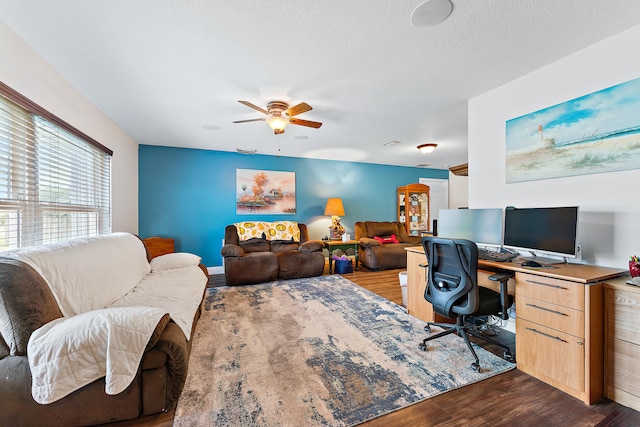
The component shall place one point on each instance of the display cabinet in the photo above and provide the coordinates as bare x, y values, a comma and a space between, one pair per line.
413, 208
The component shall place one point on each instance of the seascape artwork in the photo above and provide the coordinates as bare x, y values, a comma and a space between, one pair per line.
595, 133
265, 192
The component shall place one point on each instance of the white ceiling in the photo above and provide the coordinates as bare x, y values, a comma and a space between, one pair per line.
165, 70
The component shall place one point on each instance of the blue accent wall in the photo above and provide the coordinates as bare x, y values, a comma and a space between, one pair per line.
189, 194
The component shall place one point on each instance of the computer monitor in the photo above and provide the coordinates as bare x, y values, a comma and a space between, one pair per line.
544, 231
482, 226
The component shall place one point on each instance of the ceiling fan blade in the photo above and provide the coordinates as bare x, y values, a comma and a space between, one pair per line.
250, 120
255, 107
307, 123
303, 107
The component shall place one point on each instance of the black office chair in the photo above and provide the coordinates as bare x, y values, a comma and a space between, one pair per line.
453, 291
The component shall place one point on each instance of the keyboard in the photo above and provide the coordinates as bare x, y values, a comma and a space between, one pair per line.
489, 255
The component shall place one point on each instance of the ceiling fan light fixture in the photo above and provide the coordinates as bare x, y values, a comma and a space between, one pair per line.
427, 148
278, 123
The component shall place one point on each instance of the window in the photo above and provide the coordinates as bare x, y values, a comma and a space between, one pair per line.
55, 182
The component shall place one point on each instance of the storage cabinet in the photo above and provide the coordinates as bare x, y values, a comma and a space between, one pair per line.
413, 208
622, 343
559, 334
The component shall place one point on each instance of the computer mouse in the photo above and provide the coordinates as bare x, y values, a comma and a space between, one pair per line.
530, 263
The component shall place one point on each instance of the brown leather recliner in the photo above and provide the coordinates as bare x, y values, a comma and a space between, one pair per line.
374, 254
260, 260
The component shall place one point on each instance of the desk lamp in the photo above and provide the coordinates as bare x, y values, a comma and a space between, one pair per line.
335, 208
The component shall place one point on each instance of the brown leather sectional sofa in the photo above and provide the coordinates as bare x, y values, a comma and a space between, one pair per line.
376, 255
26, 304
260, 260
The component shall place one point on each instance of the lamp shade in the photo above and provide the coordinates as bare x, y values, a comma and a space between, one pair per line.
334, 207
278, 123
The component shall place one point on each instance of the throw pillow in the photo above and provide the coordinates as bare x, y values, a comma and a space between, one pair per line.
174, 260
387, 239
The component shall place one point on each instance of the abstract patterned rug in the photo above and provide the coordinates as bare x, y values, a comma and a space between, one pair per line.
315, 352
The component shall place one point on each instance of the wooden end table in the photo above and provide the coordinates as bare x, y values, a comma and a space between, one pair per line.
332, 245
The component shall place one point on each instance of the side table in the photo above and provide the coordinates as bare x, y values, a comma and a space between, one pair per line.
332, 245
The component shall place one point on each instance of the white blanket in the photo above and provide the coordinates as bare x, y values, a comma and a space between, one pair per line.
71, 352
177, 291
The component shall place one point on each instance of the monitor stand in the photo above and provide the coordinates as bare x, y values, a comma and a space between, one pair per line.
544, 260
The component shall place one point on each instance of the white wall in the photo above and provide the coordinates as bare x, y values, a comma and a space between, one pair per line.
610, 209
28, 73
458, 191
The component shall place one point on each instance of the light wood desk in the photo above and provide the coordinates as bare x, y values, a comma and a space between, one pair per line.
559, 326
622, 342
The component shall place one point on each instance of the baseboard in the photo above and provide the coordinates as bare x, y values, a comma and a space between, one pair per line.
215, 270
509, 325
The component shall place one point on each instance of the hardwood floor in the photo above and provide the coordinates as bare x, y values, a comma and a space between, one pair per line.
510, 399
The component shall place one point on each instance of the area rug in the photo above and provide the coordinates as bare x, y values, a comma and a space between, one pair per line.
315, 352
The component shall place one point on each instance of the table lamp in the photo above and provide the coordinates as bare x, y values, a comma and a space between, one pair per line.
335, 208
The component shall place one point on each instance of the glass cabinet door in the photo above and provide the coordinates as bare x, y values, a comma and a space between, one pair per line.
413, 208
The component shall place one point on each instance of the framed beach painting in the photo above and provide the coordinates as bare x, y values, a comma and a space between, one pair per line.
260, 192
595, 133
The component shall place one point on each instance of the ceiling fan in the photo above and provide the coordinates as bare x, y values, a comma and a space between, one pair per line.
279, 115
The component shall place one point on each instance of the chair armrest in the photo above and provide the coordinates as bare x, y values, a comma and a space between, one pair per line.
367, 242
503, 278
171, 351
311, 246
230, 250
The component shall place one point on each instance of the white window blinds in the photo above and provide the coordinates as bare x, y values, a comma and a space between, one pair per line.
55, 185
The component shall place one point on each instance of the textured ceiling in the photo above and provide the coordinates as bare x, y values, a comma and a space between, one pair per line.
165, 71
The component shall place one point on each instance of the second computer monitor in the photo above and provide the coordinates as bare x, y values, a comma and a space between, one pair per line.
483, 226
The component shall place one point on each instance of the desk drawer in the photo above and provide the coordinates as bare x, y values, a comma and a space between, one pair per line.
623, 315
622, 373
555, 291
557, 317
552, 356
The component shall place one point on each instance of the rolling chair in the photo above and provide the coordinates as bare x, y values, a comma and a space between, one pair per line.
453, 291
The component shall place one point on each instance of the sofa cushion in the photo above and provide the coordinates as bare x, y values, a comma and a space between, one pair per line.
177, 291
284, 245
256, 245
381, 228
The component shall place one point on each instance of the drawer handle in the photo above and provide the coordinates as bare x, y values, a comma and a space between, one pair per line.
547, 335
546, 309
547, 284
423, 265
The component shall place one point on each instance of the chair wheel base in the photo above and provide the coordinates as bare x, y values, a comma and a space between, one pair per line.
475, 367
427, 328
422, 346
